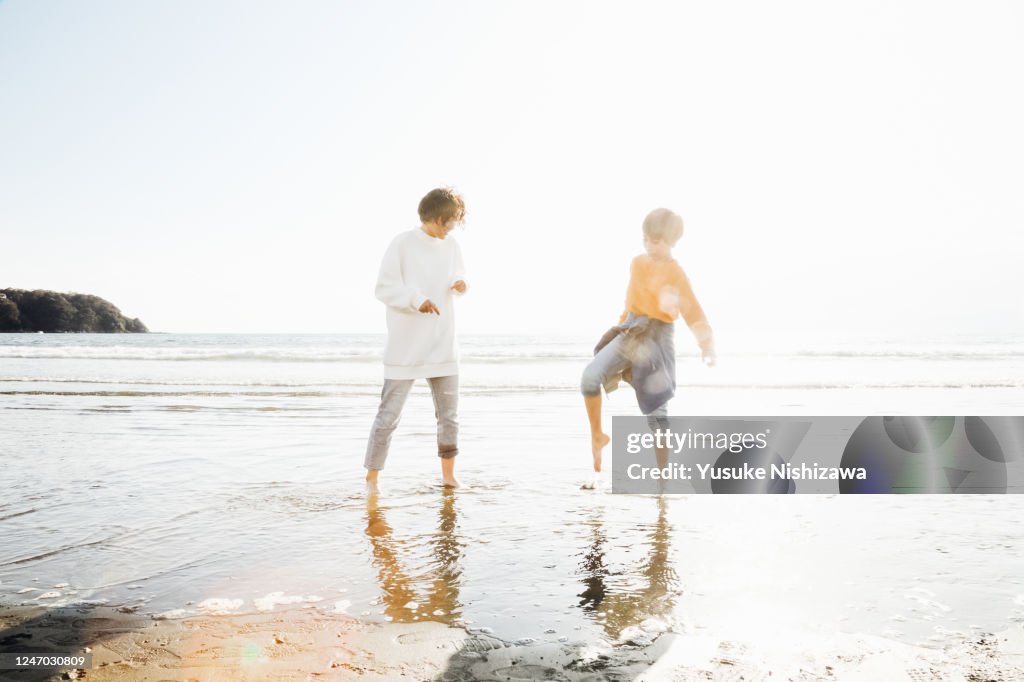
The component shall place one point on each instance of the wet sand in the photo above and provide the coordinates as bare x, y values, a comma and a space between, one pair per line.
306, 644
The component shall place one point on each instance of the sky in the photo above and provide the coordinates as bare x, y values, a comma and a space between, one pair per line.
843, 169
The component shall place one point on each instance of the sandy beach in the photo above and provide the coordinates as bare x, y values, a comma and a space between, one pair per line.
305, 644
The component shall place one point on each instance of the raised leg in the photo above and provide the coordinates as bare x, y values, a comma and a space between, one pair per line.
605, 365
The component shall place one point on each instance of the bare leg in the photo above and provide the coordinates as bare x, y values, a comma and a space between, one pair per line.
448, 473
661, 454
609, 362
598, 439
371, 482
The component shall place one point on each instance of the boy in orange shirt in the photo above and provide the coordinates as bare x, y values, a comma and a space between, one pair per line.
641, 349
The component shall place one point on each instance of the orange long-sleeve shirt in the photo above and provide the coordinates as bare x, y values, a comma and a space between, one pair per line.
660, 289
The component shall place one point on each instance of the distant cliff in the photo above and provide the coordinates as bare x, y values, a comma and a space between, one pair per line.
49, 311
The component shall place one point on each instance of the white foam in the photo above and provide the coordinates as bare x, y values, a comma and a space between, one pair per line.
654, 625
173, 614
341, 606
273, 599
26, 590
49, 595
216, 606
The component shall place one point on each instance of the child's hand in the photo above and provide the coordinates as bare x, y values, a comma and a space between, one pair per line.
429, 307
708, 357
459, 286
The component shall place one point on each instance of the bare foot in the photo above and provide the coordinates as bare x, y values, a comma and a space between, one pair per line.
371, 483
448, 479
597, 443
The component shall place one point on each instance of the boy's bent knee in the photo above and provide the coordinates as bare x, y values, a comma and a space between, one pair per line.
590, 384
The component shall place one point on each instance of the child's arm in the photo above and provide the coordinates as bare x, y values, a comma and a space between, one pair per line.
458, 283
391, 288
692, 312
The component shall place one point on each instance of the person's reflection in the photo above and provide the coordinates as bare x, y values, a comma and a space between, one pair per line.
433, 595
628, 596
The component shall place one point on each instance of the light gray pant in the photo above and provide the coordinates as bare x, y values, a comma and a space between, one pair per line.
445, 391
612, 360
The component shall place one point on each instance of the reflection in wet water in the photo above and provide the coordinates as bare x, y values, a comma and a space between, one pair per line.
407, 597
619, 597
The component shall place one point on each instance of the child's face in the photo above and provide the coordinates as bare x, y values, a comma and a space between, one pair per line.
657, 248
447, 227
441, 229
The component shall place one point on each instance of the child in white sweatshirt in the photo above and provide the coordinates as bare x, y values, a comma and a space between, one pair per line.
421, 272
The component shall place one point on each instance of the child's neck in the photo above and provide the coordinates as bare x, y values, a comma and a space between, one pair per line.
431, 231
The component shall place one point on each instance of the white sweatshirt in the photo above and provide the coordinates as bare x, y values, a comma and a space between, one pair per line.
417, 267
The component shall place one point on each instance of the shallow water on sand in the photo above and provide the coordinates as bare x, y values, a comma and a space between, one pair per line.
231, 482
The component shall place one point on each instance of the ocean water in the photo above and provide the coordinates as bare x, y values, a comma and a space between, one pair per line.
180, 474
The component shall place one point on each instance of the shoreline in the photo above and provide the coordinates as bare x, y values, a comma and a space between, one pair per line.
306, 643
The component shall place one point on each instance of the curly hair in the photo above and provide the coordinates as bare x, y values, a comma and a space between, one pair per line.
442, 204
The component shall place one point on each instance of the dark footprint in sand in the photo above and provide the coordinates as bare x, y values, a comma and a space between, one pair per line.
419, 637
526, 672
482, 645
64, 639
11, 640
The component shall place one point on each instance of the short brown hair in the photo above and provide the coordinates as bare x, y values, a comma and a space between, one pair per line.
664, 225
442, 204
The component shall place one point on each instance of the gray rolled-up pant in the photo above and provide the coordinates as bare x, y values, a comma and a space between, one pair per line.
445, 391
612, 360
